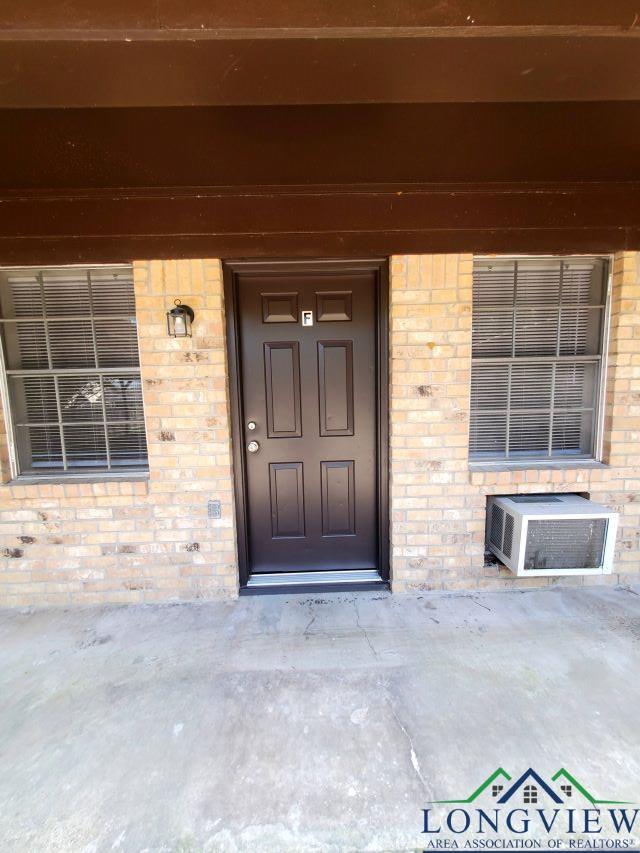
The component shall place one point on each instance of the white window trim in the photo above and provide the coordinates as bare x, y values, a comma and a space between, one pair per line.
604, 365
550, 463
7, 415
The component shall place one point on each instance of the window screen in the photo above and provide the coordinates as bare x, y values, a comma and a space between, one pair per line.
536, 354
72, 369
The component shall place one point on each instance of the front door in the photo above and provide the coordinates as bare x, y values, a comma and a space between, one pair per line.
308, 409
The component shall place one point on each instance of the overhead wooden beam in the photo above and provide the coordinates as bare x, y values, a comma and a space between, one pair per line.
209, 52
220, 14
322, 145
322, 221
135, 68
114, 184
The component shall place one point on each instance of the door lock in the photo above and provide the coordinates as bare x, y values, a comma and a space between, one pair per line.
252, 425
253, 447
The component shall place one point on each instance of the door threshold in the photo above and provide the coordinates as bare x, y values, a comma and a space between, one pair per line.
323, 581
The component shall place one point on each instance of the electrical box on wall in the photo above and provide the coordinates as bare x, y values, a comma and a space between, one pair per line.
545, 535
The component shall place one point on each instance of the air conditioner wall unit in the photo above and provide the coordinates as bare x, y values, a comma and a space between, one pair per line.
555, 534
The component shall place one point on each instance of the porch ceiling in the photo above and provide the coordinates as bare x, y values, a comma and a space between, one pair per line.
198, 53
327, 180
288, 127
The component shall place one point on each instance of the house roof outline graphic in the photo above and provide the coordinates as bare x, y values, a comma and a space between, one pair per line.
499, 773
531, 775
564, 774
500, 776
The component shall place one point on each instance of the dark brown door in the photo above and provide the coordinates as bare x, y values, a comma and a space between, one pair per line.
308, 378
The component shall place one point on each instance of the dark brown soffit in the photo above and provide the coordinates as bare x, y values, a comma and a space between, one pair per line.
208, 52
325, 222
163, 68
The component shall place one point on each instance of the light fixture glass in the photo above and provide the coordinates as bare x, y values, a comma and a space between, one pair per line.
179, 320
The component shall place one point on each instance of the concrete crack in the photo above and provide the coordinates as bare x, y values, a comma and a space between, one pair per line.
364, 630
412, 752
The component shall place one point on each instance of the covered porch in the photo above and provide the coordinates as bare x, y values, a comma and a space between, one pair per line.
322, 722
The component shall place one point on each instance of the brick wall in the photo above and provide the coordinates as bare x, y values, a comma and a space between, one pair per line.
151, 540
437, 502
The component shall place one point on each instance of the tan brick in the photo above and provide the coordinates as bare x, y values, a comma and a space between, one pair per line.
431, 344
127, 541
184, 388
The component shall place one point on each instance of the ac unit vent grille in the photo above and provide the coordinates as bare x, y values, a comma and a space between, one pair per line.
508, 535
497, 526
565, 544
535, 499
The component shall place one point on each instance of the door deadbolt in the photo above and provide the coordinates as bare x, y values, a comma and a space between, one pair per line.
252, 425
253, 447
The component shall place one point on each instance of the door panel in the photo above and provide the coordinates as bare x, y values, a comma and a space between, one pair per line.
338, 498
311, 486
279, 307
282, 379
335, 387
333, 306
286, 499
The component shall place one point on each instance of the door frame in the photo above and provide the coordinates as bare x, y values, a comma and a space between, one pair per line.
231, 271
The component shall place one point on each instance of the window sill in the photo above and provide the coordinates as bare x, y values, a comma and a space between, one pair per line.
542, 465
66, 479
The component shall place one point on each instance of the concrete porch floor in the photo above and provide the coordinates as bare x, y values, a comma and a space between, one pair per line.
303, 723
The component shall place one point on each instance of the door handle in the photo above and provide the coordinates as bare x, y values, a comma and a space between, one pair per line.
253, 447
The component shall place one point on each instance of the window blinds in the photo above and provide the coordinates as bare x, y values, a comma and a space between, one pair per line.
72, 364
536, 352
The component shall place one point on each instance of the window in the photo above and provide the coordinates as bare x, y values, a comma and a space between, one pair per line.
496, 789
567, 790
72, 369
530, 794
536, 357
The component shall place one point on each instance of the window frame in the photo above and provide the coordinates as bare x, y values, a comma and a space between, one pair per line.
52, 475
558, 462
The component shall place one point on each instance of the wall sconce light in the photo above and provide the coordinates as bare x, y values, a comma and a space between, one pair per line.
179, 320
